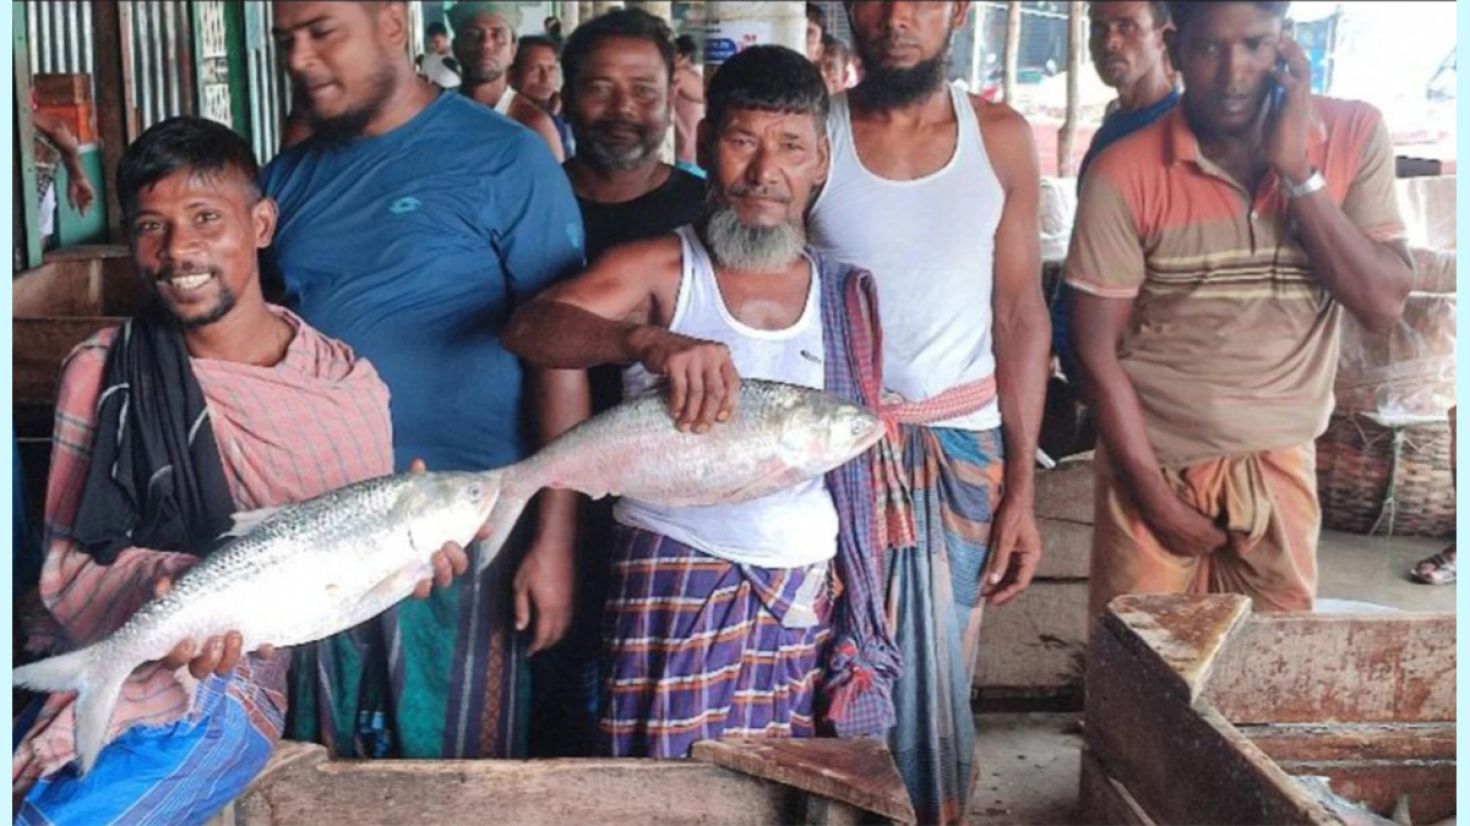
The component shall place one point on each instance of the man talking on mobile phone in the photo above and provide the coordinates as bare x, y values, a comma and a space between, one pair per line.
1213, 256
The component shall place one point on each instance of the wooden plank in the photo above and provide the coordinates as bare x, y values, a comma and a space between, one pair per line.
1378, 784
79, 281
1178, 638
112, 96
1181, 761
1344, 741
24, 136
310, 789
40, 346
1305, 668
1036, 644
1104, 801
858, 771
63, 89
1066, 549
1066, 491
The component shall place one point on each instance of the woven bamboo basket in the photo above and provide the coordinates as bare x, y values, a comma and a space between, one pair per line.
1376, 479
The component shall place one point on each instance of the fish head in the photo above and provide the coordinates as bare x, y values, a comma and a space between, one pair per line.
463, 501
823, 436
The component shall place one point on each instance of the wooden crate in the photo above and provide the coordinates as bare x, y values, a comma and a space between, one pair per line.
54, 88
1199, 711
58, 305
1033, 648
738, 781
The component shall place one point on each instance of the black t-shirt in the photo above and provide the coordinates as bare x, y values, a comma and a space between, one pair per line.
678, 202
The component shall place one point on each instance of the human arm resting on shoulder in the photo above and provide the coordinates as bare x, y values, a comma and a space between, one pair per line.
1022, 342
617, 312
1357, 250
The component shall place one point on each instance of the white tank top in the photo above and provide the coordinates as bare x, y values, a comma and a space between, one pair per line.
930, 245
787, 529
503, 105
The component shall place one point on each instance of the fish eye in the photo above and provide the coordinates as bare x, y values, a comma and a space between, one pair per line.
474, 491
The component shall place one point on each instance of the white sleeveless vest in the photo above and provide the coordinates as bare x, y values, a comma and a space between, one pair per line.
787, 529
930, 245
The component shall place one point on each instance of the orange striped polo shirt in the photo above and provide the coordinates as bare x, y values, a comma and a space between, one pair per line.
1232, 346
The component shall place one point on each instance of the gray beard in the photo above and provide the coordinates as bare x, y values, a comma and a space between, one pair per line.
601, 155
750, 249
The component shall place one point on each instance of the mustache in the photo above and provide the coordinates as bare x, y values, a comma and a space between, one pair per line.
607, 125
765, 193
168, 272
892, 41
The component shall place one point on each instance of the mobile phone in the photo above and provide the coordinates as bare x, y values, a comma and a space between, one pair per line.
1278, 92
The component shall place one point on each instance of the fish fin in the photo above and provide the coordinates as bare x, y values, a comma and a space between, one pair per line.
96, 678
246, 521
762, 485
503, 517
1401, 812
397, 585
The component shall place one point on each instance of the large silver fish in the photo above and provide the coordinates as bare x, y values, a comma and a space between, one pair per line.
778, 436
303, 572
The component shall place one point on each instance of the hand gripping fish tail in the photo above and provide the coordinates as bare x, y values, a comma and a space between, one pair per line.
342, 558
97, 677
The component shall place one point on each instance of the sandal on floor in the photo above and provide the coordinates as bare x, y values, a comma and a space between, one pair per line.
1436, 570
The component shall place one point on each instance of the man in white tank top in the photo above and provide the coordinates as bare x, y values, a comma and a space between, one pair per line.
936, 193
717, 617
485, 46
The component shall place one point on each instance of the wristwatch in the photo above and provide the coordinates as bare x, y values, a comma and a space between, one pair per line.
1314, 182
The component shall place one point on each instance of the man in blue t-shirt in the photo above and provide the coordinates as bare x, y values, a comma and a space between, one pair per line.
1126, 38
412, 223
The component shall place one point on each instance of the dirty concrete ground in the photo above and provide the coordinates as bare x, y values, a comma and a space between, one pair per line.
1028, 761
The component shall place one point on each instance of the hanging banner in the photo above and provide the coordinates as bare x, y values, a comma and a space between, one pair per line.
723, 39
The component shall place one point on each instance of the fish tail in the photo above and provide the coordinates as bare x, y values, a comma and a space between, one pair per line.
503, 517
96, 677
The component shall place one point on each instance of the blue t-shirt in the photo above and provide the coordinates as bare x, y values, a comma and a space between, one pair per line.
414, 247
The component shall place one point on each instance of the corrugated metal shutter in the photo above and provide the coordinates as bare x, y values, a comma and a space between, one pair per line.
59, 33
163, 61
270, 86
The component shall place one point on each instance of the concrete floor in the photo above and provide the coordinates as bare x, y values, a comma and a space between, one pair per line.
1028, 761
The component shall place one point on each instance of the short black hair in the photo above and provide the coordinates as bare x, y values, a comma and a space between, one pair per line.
632, 23
769, 79
1157, 9
435, 28
530, 42
1183, 13
198, 145
817, 14
685, 45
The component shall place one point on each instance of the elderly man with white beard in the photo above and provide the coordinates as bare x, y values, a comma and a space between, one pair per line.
744, 636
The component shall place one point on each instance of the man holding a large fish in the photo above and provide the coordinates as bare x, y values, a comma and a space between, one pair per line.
719, 617
210, 402
412, 223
